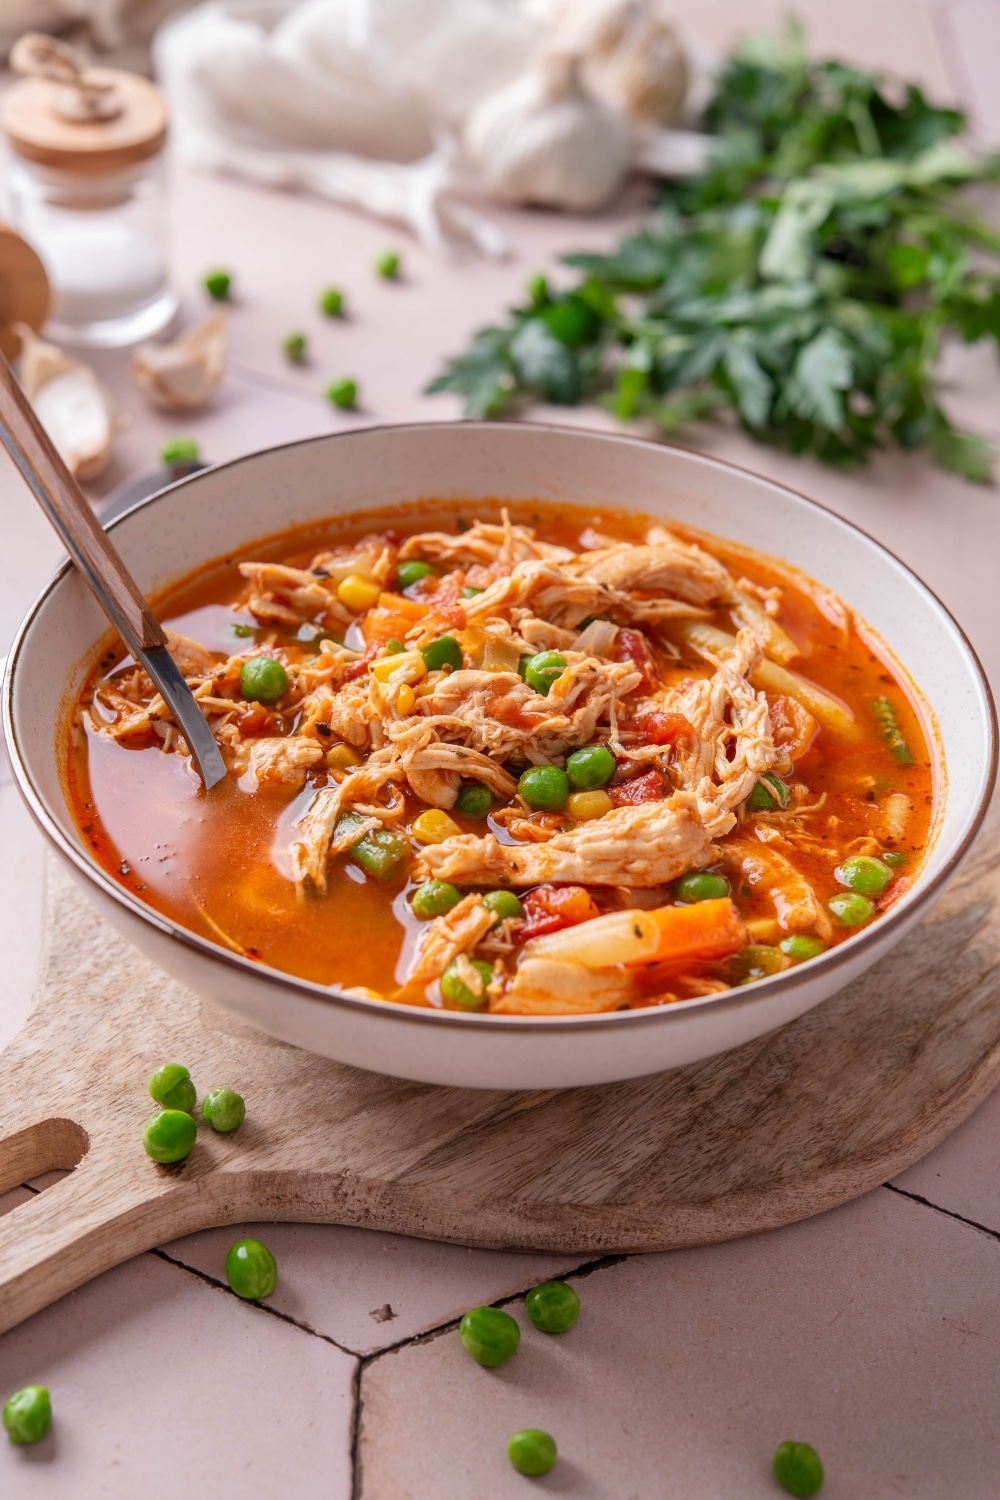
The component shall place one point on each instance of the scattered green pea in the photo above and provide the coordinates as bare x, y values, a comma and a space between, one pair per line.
544, 788
444, 652
701, 885
171, 1087
800, 946
553, 1307
223, 1109
489, 1335
474, 800
180, 450
343, 393
169, 1135
251, 1270
590, 768
263, 680
387, 265
434, 898
864, 874
456, 994
851, 910
769, 794
409, 573
218, 285
504, 903
532, 1451
541, 671
331, 301
294, 346
798, 1469
27, 1414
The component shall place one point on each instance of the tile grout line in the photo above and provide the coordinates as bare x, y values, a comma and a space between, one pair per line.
948, 1213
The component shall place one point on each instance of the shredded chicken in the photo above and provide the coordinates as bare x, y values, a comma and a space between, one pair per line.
443, 939
763, 868
283, 760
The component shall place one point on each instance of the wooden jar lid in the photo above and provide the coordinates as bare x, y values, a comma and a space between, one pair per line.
38, 131
24, 289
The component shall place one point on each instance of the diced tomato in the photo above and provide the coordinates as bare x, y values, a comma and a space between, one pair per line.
658, 727
256, 721
632, 645
548, 908
452, 615
649, 787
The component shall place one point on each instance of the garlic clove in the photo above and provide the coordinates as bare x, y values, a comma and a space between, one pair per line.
631, 55
185, 374
73, 405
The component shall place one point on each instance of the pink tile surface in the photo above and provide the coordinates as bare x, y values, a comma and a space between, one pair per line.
873, 1333
961, 1174
20, 907
972, 28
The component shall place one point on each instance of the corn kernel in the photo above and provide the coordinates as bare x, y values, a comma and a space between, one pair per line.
405, 699
403, 666
357, 593
584, 806
764, 930
434, 826
340, 757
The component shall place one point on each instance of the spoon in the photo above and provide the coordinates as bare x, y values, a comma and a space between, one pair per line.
113, 586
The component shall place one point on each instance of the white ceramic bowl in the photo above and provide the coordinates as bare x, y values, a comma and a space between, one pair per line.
224, 510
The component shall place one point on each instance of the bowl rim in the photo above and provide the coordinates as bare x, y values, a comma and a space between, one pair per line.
842, 955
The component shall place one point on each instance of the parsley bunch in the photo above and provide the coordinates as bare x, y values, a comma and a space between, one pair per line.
806, 279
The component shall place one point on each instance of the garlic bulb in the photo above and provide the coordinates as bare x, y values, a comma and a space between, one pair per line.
544, 140
72, 404
631, 55
185, 374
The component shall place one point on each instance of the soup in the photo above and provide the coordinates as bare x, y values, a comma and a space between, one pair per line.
530, 761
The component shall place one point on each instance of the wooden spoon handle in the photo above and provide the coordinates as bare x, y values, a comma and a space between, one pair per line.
62, 500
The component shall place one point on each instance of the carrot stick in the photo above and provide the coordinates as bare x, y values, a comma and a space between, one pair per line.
403, 606
704, 930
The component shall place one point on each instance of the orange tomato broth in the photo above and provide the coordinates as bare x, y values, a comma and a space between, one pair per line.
206, 862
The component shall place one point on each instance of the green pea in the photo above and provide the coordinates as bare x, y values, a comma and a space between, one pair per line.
489, 1335
864, 874
757, 961
470, 593
532, 1451
544, 787
591, 767
380, 852
504, 903
223, 1109
895, 858
444, 652
522, 665
769, 794
169, 1135
218, 285
409, 573
553, 1307
343, 393
294, 345
800, 946
456, 994
474, 800
434, 898
798, 1469
701, 885
180, 450
263, 680
171, 1087
541, 671
387, 265
27, 1414
331, 301
851, 910
251, 1270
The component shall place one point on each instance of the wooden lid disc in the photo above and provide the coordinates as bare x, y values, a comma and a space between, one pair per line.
33, 117
24, 290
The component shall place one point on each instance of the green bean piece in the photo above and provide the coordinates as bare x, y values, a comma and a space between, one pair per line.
169, 1135
470, 593
542, 670
218, 285
474, 800
223, 1109
251, 1270
532, 1451
553, 1307
885, 718
590, 768
459, 995
701, 885
444, 652
331, 301
895, 858
409, 573
27, 1414
434, 898
504, 903
489, 1335
180, 450
387, 265
798, 1469
171, 1087
263, 679
381, 851
800, 946
864, 874
851, 909
544, 788
768, 795
343, 393
394, 647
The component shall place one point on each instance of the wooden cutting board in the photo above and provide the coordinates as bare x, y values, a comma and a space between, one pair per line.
785, 1127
